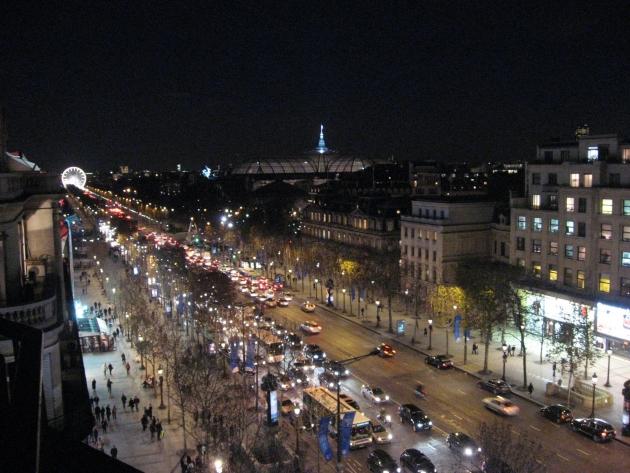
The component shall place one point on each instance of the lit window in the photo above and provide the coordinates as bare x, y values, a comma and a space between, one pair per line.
536, 246
626, 206
625, 156
536, 201
581, 279
568, 251
553, 272
522, 223
575, 180
538, 224
607, 206
588, 180
604, 282
581, 253
625, 258
592, 153
606, 231
570, 228
554, 225
553, 247
626, 232
536, 269
570, 204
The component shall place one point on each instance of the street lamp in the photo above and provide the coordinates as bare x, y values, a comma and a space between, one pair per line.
504, 348
316, 282
344, 299
140, 340
218, 466
128, 334
430, 332
378, 317
296, 411
406, 301
609, 353
160, 374
594, 381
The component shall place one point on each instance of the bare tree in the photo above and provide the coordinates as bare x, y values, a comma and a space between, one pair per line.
501, 448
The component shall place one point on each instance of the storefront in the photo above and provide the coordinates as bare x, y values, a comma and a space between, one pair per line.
94, 335
613, 324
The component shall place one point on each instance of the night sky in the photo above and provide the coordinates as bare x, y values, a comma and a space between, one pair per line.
97, 84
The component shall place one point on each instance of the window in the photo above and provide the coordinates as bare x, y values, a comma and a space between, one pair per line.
413, 251
568, 251
536, 246
520, 243
520, 262
503, 249
569, 228
626, 206
574, 180
548, 156
536, 269
606, 231
625, 259
553, 272
568, 277
538, 224
553, 247
570, 204
434, 256
413, 233
581, 205
624, 287
405, 250
522, 223
581, 279
426, 254
614, 179
581, 253
564, 155
581, 229
552, 201
625, 156
536, 201
434, 236
607, 206
419, 234
536, 178
604, 282
552, 179
605, 256
625, 229
588, 180
592, 153
554, 225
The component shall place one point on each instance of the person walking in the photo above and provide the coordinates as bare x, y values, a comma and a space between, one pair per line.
104, 426
123, 398
105, 370
553, 367
108, 412
102, 413
114, 412
530, 389
150, 410
513, 350
114, 452
109, 387
93, 385
94, 434
97, 414
152, 429
110, 368
96, 400
144, 421
136, 402
131, 404
425, 331
128, 367
160, 431
122, 357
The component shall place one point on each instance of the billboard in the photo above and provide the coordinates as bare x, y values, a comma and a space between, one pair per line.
613, 321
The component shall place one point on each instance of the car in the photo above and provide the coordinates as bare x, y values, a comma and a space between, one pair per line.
303, 363
336, 368
598, 429
327, 379
311, 327
299, 376
501, 405
278, 329
439, 361
282, 302
308, 307
315, 354
253, 293
286, 407
374, 394
287, 296
348, 400
385, 350
379, 461
414, 460
412, 414
557, 413
495, 386
285, 382
293, 340
380, 434
463, 444
271, 303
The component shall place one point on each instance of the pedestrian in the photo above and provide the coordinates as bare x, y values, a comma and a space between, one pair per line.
553, 367
104, 426
102, 412
378, 320
362, 312
122, 356
128, 366
105, 370
114, 451
123, 398
425, 332
95, 434
93, 385
108, 412
131, 404
109, 387
144, 421
97, 414
136, 402
150, 410
160, 431
101, 444
152, 430
96, 400
507, 351
114, 412
513, 350
110, 367
530, 389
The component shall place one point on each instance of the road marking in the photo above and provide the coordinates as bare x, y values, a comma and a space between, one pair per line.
515, 432
562, 456
583, 452
460, 418
539, 461
462, 391
535, 428
431, 446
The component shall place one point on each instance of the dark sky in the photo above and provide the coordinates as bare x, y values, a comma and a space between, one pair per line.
97, 84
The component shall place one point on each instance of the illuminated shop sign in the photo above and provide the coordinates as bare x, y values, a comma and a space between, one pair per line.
613, 321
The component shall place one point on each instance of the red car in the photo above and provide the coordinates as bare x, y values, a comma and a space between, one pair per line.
385, 350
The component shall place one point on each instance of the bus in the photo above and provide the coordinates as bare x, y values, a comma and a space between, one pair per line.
321, 402
272, 345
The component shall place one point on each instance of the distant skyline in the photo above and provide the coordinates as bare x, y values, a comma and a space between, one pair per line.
97, 84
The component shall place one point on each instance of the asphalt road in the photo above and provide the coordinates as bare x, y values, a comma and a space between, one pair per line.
453, 403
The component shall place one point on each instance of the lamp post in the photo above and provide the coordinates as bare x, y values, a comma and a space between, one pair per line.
594, 381
140, 345
378, 317
290, 271
609, 353
128, 334
504, 348
296, 411
430, 332
218, 466
338, 424
161, 375
406, 301
344, 299
316, 282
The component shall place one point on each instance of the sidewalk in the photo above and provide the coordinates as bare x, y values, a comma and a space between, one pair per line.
538, 374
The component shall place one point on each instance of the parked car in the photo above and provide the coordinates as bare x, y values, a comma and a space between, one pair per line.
412, 414
374, 394
463, 444
414, 460
495, 386
327, 379
598, 429
299, 376
501, 406
379, 461
311, 327
314, 353
380, 434
293, 340
308, 307
439, 361
385, 350
336, 367
557, 413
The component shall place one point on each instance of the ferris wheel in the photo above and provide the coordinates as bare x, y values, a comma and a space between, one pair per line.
74, 176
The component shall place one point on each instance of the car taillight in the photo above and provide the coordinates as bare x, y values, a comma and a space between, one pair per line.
604, 434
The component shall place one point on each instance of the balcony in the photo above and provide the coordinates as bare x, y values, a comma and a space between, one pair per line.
21, 184
36, 306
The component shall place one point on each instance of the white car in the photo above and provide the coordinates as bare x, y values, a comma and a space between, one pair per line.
308, 307
309, 326
374, 394
288, 296
380, 434
282, 302
501, 406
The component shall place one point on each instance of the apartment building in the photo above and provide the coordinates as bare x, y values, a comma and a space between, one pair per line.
571, 231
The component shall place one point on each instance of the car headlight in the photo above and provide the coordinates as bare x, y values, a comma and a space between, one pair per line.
377, 399
468, 451
387, 398
390, 436
419, 424
398, 470
430, 422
